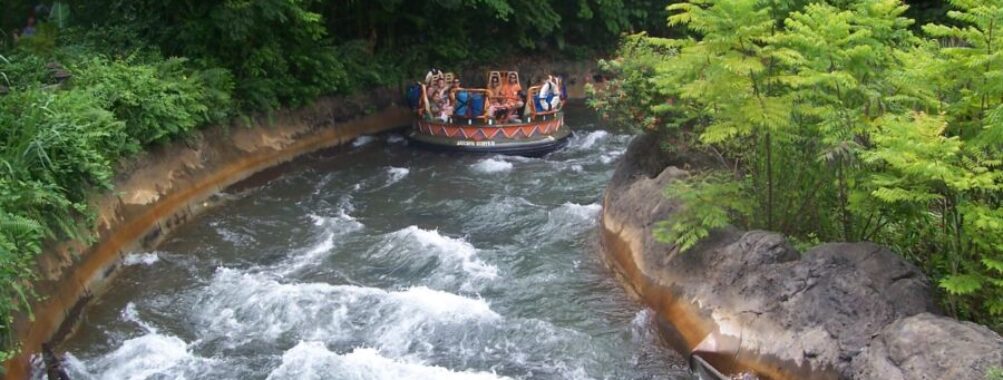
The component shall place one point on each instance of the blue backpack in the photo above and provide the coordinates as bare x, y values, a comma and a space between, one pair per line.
476, 105
413, 95
462, 98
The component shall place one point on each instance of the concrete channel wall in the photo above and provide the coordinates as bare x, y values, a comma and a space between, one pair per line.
163, 188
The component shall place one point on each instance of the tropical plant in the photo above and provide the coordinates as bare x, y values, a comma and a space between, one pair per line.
835, 121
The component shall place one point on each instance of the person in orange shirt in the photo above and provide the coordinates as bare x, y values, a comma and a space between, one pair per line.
510, 96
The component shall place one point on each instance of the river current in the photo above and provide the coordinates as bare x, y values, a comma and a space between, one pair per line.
381, 261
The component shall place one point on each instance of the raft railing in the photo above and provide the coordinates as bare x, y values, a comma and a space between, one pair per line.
700, 369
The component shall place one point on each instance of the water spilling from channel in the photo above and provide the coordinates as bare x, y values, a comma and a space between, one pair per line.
381, 261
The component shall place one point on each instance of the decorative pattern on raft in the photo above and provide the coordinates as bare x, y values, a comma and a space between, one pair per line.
489, 132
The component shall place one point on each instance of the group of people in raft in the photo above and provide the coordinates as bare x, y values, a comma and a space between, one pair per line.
506, 100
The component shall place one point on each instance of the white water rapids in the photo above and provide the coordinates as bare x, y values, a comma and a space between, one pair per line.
381, 261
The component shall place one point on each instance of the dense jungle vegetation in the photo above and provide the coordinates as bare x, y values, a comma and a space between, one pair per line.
842, 120
97, 81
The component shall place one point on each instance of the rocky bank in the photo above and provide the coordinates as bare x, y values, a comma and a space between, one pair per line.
747, 300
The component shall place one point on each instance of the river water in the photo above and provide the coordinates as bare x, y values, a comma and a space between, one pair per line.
382, 261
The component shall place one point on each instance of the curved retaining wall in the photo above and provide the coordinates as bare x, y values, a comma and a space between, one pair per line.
747, 301
168, 185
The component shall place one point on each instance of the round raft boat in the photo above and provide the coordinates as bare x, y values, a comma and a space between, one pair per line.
474, 121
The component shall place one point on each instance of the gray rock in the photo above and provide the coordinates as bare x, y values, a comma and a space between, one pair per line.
805, 315
927, 346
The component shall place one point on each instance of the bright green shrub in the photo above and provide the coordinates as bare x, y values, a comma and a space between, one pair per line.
158, 102
834, 121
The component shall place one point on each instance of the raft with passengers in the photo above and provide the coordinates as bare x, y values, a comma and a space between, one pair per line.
501, 118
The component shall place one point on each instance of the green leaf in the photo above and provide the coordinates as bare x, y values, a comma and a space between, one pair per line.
60, 14
961, 284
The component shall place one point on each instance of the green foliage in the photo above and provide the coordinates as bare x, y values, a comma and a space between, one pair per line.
157, 102
836, 122
710, 201
59, 15
284, 52
994, 374
60, 142
627, 100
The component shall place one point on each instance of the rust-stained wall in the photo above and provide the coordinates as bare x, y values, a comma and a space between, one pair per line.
163, 188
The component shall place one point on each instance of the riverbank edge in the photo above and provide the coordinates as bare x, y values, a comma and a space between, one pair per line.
159, 190
731, 298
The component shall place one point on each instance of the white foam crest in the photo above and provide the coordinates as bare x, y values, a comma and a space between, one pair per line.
563, 222
247, 306
131, 315
234, 237
451, 249
590, 140
589, 211
142, 258
148, 356
492, 165
396, 174
363, 140
395, 139
609, 157
243, 308
312, 360
441, 305
334, 227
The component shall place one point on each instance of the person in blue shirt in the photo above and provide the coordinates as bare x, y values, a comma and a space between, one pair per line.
29, 29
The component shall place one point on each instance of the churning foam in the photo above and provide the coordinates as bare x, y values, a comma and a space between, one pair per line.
588, 211
334, 227
492, 165
250, 308
395, 139
312, 360
363, 140
591, 139
451, 249
396, 174
143, 258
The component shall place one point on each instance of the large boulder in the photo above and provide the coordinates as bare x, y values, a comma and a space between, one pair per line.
930, 347
753, 296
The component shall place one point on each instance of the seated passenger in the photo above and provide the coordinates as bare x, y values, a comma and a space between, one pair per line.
550, 94
510, 94
440, 98
496, 102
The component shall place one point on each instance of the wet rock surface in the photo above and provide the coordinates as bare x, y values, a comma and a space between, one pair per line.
810, 314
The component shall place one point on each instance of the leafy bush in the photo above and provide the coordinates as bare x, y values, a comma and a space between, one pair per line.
60, 142
834, 121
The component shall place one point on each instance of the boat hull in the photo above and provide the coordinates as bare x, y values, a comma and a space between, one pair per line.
536, 137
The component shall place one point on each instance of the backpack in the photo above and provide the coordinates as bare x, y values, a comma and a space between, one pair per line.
413, 96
